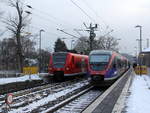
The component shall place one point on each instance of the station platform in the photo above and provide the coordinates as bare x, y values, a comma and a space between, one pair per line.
131, 94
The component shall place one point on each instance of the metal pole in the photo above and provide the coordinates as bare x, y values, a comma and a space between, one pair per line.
140, 42
140, 39
40, 51
147, 42
140, 48
138, 45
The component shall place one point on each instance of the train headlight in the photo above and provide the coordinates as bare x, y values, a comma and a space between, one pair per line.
50, 68
67, 68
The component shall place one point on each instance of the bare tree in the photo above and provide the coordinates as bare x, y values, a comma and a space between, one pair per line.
45, 60
8, 55
82, 45
16, 25
28, 45
106, 43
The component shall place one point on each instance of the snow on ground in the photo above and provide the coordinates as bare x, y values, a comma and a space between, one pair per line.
50, 97
139, 99
19, 79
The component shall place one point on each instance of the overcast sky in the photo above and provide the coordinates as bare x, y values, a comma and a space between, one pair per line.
120, 15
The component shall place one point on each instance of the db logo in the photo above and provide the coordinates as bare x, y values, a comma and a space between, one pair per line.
9, 98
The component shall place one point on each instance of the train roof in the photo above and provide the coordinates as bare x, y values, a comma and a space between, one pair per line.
60, 52
70, 53
101, 52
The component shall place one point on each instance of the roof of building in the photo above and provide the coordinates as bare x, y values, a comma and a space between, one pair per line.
146, 50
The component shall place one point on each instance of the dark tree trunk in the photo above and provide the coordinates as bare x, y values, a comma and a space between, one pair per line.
18, 37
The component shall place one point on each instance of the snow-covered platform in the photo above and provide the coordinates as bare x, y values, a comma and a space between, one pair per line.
105, 103
19, 79
134, 96
138, 95
19, 83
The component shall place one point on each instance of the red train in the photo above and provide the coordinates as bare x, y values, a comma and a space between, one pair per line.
63, 64
106, 66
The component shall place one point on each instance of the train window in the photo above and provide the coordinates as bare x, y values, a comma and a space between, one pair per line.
59, 60
59, 57
99, 58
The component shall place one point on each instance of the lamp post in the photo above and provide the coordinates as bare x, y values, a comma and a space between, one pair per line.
135, 51
147, 42
40, 50
138, 45
140, 41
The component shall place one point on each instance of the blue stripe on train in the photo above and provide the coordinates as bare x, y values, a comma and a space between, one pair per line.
111, 73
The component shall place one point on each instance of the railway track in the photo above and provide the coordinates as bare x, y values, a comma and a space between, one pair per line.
40, 98
78, 104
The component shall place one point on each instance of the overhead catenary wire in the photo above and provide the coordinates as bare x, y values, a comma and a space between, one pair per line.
37, 27
83, 11
99, 18
78, 32
53, 23
51, 16
45, 31
68, 33
54, 18
87, 13
48, 20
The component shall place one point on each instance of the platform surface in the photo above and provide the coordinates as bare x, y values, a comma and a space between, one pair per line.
105, 103
138, 96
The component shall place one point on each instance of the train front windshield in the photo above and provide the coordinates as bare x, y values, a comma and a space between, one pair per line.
59, 60
99, 62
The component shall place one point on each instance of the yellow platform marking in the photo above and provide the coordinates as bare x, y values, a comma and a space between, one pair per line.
139, 70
